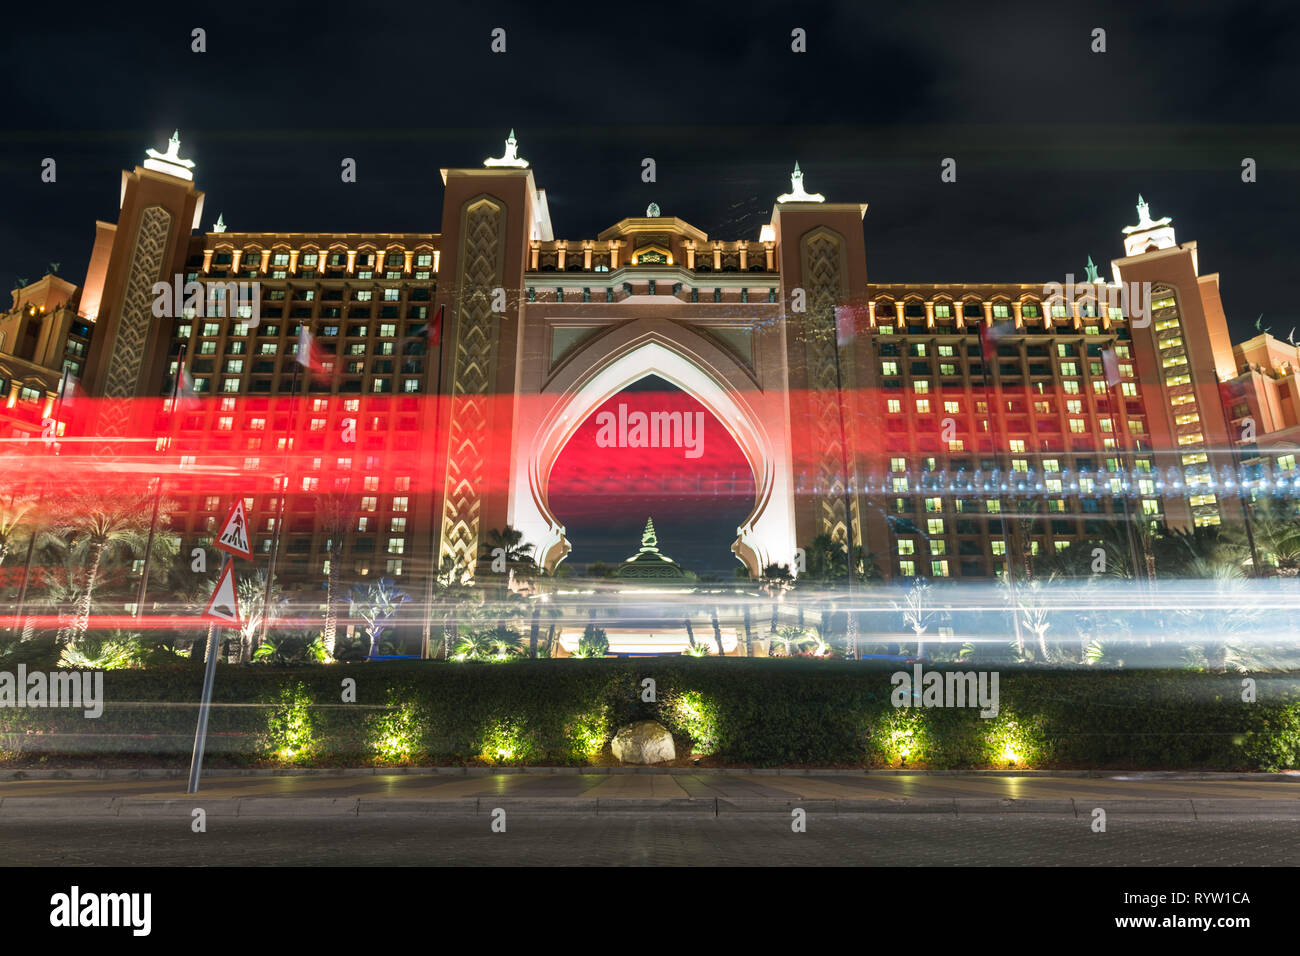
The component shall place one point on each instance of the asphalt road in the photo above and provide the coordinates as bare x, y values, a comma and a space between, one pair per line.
654, 818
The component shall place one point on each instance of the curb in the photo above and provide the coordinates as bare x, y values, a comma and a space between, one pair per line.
271, 808
173, 774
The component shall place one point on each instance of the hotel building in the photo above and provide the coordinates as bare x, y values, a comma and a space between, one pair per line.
954, 426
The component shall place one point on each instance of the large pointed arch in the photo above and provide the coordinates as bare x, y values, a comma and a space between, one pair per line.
756, 419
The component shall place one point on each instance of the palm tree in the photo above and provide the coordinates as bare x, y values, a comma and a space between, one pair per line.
826, 559
507, 549
251, 591
377, 605
509, 557
97, 527
776, 579
717, 630
334, 513
450, 593
1277, 537
13, 518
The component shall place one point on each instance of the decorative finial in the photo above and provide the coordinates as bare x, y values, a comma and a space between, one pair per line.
1143, 211
797, 193
1091, 270
649, 540
170, 162
510, 157
652, 211
219, 225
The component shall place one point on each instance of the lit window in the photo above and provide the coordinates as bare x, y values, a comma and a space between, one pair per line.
952, 408
999, 547
889, 368
993, 506
1018, 444
400, 504
906, 546
923, 406
1078, 425
939, 568
898, 464
907, 569
943, 310
895, 406
933, 504
934, 526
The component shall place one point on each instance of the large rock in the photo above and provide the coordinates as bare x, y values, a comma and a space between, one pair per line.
644, 742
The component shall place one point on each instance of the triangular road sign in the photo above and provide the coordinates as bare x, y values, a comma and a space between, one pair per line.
233, 537
223, 606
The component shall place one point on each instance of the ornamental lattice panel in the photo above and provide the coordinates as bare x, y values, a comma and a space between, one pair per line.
823, 273
122, 377
475, 358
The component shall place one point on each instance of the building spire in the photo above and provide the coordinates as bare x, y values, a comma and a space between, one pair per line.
510, 157
649, 540
1090, 270
219, 225
170, 162
797, 193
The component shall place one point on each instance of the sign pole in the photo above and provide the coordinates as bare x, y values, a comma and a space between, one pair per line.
205, 706
223, 610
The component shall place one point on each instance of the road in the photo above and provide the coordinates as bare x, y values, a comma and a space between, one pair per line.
672, 819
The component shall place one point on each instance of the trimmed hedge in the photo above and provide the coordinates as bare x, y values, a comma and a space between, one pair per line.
740, 712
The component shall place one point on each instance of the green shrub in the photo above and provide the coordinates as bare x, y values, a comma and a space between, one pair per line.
740, 712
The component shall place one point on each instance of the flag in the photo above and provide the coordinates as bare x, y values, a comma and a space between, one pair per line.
850, 322
186, 397
309, 354
431, 331
68, 389
435, 329
1110, 362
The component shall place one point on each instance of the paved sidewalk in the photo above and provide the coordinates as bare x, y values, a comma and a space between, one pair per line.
711, 793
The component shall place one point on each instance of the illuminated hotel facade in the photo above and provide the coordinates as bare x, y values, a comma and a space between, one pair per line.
855, 403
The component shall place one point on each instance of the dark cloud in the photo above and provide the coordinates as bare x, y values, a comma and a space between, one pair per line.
1053, 142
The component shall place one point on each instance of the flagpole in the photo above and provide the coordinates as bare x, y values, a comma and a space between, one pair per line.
31, 539
850, 622
279, 514
157, 495
1120, 449
436, 522
986, 340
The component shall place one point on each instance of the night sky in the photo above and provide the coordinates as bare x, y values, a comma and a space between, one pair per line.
1053, 142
